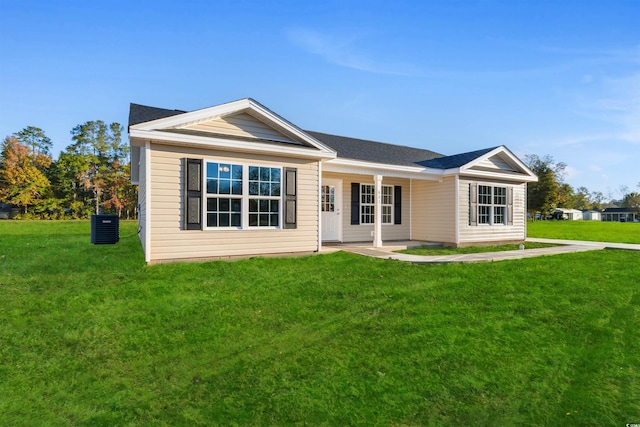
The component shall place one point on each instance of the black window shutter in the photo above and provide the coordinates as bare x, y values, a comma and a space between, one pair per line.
397, 204
355, 203
509, 205
290, 198
193, 194
473, 204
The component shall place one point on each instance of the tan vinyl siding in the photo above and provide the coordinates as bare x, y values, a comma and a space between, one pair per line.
142, 194
169, 240
362, 233
433, 209
419, 210
494, 162
493, 233
240, 125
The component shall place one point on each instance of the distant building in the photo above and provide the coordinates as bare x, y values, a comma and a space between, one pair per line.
592, 215
620, 215
568, 214
8, 211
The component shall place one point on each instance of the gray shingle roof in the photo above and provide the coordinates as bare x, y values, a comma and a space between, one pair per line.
142, 113
373, 151
380, 152
618, 210
455, 161
347, 148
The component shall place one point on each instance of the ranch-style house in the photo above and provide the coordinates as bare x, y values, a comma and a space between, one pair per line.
237, 180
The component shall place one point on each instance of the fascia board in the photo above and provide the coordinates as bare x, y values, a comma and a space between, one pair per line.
497, 175
370, 168
230, 144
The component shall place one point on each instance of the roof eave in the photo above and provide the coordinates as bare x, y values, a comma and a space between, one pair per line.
492, 175
364, 167
229, 144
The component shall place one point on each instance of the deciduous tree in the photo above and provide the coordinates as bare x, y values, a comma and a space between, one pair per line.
22, 181
545, 195
632, 201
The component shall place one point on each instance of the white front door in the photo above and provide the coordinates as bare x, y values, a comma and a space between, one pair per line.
331, 209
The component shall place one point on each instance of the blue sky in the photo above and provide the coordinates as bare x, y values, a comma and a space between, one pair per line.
559, 78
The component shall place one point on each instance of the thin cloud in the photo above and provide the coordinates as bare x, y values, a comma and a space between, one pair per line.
623, 54
341, 50
570, 59
619, 105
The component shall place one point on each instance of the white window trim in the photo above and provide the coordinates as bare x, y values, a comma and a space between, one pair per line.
492, 206
389, 205
258, 197
244, 197
372, 204
392, 195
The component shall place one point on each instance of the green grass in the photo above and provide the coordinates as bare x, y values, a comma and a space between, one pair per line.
444, 250
598, 231
90, 336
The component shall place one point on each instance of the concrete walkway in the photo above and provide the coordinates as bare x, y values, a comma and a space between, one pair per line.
611, 245
566, 246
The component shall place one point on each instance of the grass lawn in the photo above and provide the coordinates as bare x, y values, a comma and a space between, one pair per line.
91, 336
619, 232
444, 250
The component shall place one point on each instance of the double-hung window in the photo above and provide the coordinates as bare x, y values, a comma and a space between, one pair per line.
367, 204
242, 196
387, 204
224, 195
492, 205
363, 198
499, 205
264, 196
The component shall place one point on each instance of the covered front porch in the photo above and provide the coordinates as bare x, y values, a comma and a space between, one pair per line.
372, 207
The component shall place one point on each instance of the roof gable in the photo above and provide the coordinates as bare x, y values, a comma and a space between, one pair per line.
497, 162
243, 120
488, 160
241, 124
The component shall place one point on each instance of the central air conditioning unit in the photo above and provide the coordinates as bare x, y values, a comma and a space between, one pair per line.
105, 229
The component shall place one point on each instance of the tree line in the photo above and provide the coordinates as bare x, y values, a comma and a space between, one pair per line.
551, 192
91, 175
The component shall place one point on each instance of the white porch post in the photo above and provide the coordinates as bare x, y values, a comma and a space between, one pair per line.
377, 220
